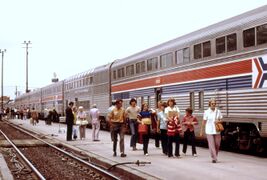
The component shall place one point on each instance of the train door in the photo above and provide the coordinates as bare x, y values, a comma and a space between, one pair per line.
158, 92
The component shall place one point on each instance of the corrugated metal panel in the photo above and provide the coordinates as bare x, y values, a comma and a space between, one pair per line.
250, 103
102, 102
141, 93
221, 84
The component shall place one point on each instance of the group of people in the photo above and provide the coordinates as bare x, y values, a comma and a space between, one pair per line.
76, 120
164, 121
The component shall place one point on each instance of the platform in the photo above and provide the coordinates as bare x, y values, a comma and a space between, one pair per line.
230, 165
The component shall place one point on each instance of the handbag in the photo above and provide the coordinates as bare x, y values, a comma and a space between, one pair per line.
142, 129
146, 121
84, 122
78, 122
219, 127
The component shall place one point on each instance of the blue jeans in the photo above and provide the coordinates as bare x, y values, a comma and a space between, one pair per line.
134, 132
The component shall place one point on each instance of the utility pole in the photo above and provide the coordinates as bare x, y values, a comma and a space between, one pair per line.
2, 80
27, 46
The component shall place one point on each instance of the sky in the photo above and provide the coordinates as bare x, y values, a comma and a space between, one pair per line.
72, 36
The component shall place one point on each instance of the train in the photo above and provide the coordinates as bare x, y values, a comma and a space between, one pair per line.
226, 61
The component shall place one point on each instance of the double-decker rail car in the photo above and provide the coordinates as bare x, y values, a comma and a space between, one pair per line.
226, 61
52, 98
78, 89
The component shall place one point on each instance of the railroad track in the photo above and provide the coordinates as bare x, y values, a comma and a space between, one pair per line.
70, 166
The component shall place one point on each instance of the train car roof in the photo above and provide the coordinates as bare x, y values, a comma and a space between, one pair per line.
242, 20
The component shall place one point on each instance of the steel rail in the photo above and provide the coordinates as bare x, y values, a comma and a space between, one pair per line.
94, 167
23, 157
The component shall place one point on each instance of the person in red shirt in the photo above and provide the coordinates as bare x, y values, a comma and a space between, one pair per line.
189, 121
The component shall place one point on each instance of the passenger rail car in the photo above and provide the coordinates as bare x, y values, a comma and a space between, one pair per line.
226, 61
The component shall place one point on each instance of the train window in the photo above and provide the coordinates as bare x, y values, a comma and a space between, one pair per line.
249, 37
201, 100
179, 57
166, 60
231, 42
192, 100
220, 45
84, 81
186, 55
206, 49
262, 34
130, 70
114, 74
140, 67
121, 73
152, 64
91, 80
197, 51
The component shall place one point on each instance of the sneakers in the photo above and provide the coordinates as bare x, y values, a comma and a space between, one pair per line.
213, 161
114, 154
134, 149
146, 154
123, 155
195, 155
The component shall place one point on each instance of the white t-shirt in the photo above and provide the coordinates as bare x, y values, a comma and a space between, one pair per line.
167, 109
133, 112
209, 116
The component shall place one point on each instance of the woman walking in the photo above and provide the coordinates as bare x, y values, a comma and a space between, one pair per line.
212, 116
145, 119
173, 127
163, 127
189, 121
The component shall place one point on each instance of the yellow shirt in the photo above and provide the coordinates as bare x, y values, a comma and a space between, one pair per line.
117, 115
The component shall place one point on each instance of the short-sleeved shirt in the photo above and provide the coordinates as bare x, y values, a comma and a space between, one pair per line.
162, 120
117, 115
94, 113
210, 116
168, 109
133, 112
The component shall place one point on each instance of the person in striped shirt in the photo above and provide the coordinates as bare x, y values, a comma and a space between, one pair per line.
173, 127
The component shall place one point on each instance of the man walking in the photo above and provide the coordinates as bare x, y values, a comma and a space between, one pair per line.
117, 126
94, 115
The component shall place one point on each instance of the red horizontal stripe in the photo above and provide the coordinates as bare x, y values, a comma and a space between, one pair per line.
234, 68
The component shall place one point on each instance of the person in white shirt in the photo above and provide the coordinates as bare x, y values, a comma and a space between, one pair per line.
94, 115
211, 116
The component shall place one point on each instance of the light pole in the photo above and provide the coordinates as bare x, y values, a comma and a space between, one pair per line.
2, 79
27, 46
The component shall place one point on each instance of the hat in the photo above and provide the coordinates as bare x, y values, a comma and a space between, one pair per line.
80, 107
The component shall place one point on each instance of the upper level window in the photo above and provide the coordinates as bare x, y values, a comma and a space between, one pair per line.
179, 57
91, 80
197, 51
220, 45
249, 37
114, 74
186, 55
152, 64
140, 67
129, 70
261, 34
231, 42
120, 72
166, 60
206, 49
